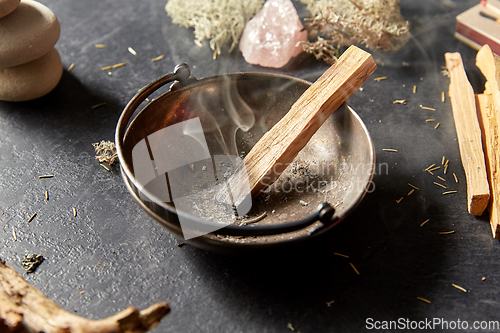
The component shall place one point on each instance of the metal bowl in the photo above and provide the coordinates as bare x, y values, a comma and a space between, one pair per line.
325, 182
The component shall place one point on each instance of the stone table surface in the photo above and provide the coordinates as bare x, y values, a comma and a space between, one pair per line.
119, 256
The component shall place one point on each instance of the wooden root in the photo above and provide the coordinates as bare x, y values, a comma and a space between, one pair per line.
24, 308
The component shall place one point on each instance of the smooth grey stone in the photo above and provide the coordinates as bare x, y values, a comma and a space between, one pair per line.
7, 7
31, 80
27, 33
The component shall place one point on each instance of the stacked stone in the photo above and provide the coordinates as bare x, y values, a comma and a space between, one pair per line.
30, 66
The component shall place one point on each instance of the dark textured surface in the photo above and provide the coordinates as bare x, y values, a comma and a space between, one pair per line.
119, 256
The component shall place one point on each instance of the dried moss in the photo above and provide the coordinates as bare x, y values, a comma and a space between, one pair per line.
106, 152
322, 49
220, 21
377, 24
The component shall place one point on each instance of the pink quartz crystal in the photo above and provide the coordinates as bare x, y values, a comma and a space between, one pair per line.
270, 38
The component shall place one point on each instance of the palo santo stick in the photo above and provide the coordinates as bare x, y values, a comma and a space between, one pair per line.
468, 134
489, 65
490, 141
489, 111
278, 147
23, 308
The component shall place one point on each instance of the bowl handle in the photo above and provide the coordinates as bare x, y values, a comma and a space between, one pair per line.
181, 74
325, 214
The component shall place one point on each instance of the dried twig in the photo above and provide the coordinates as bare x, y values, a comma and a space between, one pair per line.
322, 49
24, 308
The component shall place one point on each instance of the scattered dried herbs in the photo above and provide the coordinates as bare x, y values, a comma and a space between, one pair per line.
106, 152
30, 262
459, 288
424, 300
158, 58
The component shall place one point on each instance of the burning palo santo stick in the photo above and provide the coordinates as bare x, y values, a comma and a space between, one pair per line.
23, 308
278, 147
469, 135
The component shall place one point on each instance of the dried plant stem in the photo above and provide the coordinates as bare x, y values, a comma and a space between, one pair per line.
376, 24
106, 152
322, 49
24, 308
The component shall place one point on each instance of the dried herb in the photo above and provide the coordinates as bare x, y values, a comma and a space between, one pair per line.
354, 268
439, 185
449, 192
459, 288
220, 21
30, 262
424, 300
377, 24
106, 152
98, 105
423, 223
131, 50
158, 58
32, 217
322, 49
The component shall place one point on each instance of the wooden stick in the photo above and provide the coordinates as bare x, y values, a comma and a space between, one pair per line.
489, 110
23, 308
468, 134
490, 141
278, 147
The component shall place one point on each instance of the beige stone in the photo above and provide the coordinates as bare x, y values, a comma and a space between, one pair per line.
31, 80
7, 7
29, 32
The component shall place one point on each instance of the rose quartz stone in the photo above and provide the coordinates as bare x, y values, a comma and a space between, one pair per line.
270, 38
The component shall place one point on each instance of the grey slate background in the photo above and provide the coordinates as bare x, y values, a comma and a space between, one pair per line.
115, 253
